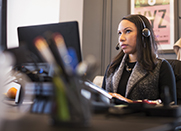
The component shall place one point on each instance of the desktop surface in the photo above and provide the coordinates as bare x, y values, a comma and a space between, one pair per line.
103, 121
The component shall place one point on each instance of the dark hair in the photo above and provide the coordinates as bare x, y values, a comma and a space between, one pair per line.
146, 55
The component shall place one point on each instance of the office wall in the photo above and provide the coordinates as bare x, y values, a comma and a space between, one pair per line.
93, 30
100, 20
31, 12
179, 18
34, 12
72, 10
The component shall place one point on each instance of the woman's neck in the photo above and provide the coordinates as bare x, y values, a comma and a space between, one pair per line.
132, 58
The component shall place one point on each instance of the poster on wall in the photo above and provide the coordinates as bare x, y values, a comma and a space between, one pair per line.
161, 15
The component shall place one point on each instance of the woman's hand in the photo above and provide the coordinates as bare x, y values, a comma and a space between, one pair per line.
118, 96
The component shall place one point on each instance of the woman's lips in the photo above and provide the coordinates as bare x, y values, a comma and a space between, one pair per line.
123, 46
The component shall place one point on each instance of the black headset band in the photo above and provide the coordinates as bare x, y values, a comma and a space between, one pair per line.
142, 21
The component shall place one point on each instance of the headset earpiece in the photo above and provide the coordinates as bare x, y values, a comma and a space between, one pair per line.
146, 32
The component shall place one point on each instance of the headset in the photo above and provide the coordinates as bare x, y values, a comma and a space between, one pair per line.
145, 31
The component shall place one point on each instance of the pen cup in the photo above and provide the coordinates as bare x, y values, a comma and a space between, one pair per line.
69, 106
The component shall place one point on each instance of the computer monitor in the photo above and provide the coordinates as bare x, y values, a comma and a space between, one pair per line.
69, 31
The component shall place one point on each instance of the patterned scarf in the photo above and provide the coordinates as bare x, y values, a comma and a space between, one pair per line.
112, 81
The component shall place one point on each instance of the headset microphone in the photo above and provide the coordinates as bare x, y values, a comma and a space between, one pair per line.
117, 46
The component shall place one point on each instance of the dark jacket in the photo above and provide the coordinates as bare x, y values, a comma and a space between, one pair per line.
176, 65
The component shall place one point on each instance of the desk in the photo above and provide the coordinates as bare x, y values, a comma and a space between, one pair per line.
99, 122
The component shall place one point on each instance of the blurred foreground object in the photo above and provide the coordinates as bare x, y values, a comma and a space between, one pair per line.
5, 63
69, 107
12, 85
12, 93
98, 80
87, 67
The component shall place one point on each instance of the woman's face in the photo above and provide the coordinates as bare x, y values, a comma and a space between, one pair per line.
127, 36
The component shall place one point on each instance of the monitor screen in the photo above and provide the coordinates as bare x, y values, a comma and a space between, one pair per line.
69, 31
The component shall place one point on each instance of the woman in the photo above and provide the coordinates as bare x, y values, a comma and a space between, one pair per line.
136, 73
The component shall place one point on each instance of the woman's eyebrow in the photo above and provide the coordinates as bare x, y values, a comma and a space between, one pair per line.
124, 29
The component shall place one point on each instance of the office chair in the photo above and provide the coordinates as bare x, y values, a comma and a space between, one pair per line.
176, 65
